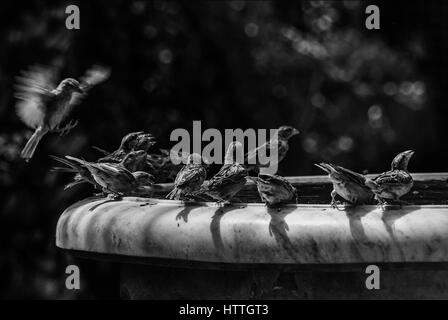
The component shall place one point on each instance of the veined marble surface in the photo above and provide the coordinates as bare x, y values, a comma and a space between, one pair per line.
253, 233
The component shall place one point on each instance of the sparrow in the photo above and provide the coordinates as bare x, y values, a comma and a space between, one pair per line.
82, 174
230, 179
43, 108
134, 161
130, 142
189, 179
276, 145
274, 189
347, 184
395, 183
115, 179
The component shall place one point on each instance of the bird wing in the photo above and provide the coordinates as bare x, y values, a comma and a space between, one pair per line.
227, 175
33, 90
112, 169
189, 175
277, 180
393, 177
93, 76
354, 176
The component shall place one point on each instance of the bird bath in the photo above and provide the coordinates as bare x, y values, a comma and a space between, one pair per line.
169, 249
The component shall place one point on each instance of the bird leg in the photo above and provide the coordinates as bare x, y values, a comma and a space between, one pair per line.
333, 200
67, 128
381, 202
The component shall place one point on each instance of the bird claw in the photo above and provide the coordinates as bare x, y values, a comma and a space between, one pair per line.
114, 196
334, 205
381, 202
67, 128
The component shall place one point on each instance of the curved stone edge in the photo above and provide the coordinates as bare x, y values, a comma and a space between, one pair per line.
252, 233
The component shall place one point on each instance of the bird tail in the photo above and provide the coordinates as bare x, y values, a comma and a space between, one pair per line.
72, 166
104, 152
325, 166
371, 184
174, 194
77, 160
30, 147
74, 183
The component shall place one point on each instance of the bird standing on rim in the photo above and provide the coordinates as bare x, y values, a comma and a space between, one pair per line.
274, 189
44, 109
115, 179
133, 162
230, 179
276, 145
347, 184
395, 183
189, 179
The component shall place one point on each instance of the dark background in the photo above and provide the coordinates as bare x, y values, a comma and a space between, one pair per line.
358, 96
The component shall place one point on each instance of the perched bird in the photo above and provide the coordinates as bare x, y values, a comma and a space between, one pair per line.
395, 183
134, 161
115, 179
276, 145
230, 179
274, 189
43, 108
347, 184
82, 174
133, 141
189, 179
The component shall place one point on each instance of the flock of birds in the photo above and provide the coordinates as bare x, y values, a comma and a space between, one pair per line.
136, 169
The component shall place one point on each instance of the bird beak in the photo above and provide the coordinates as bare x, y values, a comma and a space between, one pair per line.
295, 132
409, 153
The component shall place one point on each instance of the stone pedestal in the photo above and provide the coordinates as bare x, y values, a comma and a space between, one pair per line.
170, 249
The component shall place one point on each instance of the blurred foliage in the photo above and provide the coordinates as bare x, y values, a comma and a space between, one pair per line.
358, 96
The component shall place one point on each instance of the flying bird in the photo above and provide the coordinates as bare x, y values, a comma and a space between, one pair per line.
189, 179
347, 184
395, 183
230, 179
274, 189
115, 179
276, 145
43, 107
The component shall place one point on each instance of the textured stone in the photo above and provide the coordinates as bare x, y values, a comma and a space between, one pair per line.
253, 233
